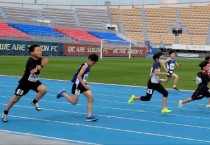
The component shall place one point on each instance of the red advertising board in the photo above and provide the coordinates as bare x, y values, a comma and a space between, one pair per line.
71, 49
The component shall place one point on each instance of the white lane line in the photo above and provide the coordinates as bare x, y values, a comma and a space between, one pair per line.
46, 137
123, 109
142, 103
115, 129
122, 118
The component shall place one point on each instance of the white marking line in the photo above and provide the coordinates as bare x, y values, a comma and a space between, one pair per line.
122, 109
142, 103
94, 83
46, 137
115, 129
123, 118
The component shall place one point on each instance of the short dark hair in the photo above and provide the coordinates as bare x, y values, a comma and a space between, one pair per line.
203, 64
207, 58
171, 51
157, 55
32, 47
93, 57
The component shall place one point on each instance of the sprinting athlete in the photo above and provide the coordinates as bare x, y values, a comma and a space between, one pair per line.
80, 86
203, 89
154, 84
169, 66
30, 80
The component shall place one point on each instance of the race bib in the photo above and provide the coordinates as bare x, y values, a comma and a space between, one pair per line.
77, 92
33, 78
172, 66
85, 78
149, 91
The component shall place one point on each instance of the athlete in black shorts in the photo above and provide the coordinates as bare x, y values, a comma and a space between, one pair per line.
154, 84
29, 80
203, 89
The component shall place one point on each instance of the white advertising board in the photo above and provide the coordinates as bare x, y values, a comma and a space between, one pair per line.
191, 47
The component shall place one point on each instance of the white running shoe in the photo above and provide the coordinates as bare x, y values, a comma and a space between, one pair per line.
180, 105
4, 117
36, 106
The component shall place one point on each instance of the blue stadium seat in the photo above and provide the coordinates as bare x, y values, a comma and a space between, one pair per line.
36, 30
109, 37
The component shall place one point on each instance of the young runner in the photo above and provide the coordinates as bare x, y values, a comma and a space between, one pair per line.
203, 89
169, 66
29, 80
154, 84
80, 86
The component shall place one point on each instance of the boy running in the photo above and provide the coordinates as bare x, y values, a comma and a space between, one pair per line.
203, 89
170, 66
80, 86
154, 84
30, 80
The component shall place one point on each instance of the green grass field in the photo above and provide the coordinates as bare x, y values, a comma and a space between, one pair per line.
123, 71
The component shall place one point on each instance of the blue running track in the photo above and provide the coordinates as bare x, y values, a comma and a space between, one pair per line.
119, 123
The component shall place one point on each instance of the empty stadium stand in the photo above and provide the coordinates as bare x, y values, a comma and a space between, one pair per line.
92, 18
17, 14
10, 32
36, 30
59, 16
196, 19
109, 37
139, 24
157, 21
78, 35
132, 21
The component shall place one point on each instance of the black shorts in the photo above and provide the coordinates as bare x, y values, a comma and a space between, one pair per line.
76, 90
24, 87
200, 92
151, 87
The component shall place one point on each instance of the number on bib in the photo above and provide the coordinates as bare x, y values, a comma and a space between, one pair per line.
149, 91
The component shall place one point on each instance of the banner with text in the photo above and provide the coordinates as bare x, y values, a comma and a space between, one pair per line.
12, 47
71, 49
18, 47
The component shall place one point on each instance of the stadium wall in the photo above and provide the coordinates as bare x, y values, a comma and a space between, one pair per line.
19, 47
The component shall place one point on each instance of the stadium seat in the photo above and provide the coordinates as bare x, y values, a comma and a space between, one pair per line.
36, 30
10, 32
78, 35
92, 18
132, 20
109, 37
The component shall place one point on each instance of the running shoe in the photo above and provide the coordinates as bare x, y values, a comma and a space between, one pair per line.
175, 88
165, 110
4, 118
60, 94
91, 118
131, 100
180, 105
36, 106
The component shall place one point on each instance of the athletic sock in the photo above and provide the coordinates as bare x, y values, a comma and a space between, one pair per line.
35, 101
6, 112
